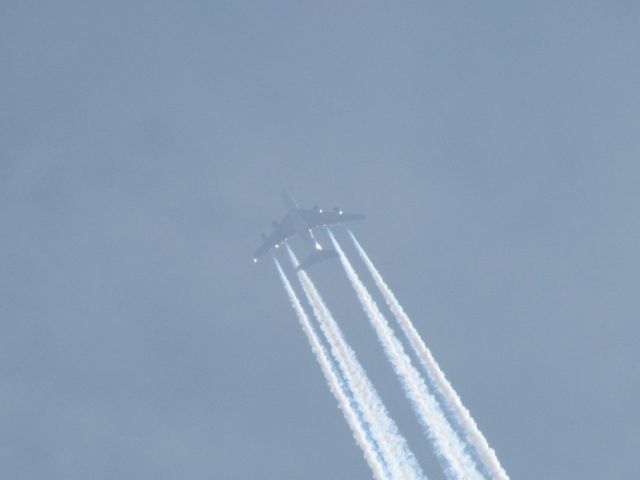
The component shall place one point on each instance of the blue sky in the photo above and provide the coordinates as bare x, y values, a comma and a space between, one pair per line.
493, 147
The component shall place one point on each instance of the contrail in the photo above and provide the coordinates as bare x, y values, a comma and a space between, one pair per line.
464, 423
449, 449
336, 385
393, 447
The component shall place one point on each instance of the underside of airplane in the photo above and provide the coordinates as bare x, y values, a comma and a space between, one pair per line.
301, 222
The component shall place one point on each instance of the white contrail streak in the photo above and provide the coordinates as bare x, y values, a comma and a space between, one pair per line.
336, 385
393, 447
449, 449
462, 419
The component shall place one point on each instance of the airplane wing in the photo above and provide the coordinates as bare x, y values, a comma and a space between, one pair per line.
318, 218
283, 231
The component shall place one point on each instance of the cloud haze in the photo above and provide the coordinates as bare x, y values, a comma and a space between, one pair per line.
493, 147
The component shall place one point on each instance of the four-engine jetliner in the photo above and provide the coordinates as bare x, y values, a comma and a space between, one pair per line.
302, 222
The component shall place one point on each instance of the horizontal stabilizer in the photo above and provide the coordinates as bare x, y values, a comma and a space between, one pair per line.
317, 256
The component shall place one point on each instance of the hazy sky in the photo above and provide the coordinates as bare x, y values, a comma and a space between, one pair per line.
494, 147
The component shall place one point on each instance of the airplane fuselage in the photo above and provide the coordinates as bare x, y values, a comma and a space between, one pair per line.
301, 222
302, 229
300, 226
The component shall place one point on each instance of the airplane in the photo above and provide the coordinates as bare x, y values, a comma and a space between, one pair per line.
301, 222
